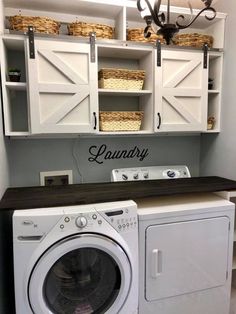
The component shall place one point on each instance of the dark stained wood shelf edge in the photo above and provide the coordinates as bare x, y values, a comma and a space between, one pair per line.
90, 193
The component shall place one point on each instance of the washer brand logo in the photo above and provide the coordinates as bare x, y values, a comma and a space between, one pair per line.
101, 153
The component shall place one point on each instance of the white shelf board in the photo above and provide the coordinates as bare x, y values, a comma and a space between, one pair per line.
16, 85
115, 92
124, 132
17, 133
213, 131
213, 91
128, 52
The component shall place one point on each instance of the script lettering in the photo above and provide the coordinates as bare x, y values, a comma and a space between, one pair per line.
101, 153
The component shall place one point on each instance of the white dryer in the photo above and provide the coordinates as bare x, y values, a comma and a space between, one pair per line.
185, 244
76, 259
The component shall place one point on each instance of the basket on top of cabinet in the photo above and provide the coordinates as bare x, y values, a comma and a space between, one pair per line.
111, 121
123, 79
84, 29
188, 40
40, 24
137, 34
193, 40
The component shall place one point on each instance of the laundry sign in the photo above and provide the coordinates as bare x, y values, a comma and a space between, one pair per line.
101, 153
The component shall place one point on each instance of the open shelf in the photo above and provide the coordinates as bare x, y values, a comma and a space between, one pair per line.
15, 99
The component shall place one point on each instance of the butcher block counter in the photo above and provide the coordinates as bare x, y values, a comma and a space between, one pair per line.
89, 193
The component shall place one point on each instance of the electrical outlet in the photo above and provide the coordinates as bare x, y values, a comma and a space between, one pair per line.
63, 177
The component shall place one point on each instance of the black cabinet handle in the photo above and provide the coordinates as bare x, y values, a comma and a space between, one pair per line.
95, 121
159, 120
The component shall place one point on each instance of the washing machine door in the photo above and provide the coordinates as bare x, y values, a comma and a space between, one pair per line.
82, 274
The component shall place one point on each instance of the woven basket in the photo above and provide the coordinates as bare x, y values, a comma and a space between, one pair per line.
120, 120
193, 40
137, 34
40, 24
121, 79
84, 29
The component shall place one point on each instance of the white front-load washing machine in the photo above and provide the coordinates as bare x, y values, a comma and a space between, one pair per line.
76, 259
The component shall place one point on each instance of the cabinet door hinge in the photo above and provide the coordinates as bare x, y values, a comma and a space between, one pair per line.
205, 55
92, 37
31, 42
158, 45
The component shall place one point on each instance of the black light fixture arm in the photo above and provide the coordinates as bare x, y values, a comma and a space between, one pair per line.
155, 15
182, 17
166, 28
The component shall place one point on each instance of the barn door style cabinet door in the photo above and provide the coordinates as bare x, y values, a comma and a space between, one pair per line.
62, 88
180, 92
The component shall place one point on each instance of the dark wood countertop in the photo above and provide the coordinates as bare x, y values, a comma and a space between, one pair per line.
88, 193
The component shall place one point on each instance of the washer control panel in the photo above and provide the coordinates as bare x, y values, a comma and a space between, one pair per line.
150, 173
34, 224
121, 215
122, 219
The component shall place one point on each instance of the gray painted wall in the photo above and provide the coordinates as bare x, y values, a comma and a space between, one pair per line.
218, 153
4, 183
28, 157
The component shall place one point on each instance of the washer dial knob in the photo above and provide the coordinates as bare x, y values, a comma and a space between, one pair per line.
81, 221
171, 174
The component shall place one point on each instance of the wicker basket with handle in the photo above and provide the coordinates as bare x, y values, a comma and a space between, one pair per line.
193, 40
84, 29
120, 120
111, 78
137, 34
40, 24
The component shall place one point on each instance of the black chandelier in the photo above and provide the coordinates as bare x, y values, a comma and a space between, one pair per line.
151, 14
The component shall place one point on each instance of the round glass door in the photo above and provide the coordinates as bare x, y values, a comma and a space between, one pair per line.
83, 274
86, 280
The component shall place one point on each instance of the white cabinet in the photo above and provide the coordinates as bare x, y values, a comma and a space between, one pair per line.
62, 88
59, 94
181, 92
